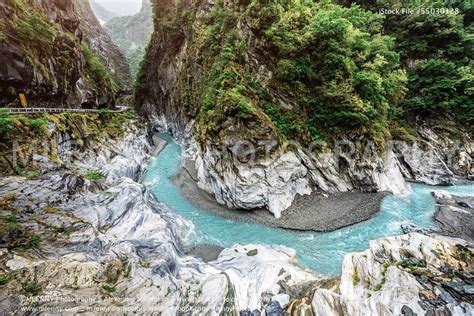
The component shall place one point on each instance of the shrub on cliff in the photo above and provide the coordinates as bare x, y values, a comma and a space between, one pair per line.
98, 75
438, 86
437, 48
6, 125
330, 64
334, 61
34, 30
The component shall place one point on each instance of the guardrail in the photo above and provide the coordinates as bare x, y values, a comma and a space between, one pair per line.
57, 110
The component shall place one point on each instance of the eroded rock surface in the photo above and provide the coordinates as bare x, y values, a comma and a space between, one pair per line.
170, 94
403, 275
439, 156
109, 243
455, 215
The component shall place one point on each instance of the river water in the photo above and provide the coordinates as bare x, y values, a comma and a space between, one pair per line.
321, 253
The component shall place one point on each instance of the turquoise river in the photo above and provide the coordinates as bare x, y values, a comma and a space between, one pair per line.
319, 252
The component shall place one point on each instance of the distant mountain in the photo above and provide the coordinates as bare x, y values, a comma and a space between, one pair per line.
121, 7
102, 14
132, 34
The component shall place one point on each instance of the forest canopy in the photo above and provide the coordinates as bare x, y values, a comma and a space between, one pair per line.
313, 70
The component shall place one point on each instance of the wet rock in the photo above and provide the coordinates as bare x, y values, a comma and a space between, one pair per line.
206, 252
412, 228
454, 215
463, 290
407, 311
466, 204
440, 194
255, 312
274, 309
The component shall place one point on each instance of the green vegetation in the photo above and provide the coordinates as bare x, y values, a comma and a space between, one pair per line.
437, 50
108, 288
14, 234
5, 202
412, 263
97, 73
252, 253
135, 59
81, 127
104, 112
10, 218
5, 278
31, 288
333, 71
127, 272
66, 231
355, 278
145, 264
38, 124
94, 176
35, 31
379, 286
463, 253
34, 241
36, 35
308, 70
335, 63
6, 125
132, 34
9, 122
32, 175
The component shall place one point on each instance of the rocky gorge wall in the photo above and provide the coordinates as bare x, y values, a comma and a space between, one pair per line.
403, 275
55, 139
49, 50
71, 236
241, 153
442, 154
84, 229
99, 41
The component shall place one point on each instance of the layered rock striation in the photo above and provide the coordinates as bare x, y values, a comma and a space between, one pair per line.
89, 231
242, 153
413, 274
262, 117
440, 155
455, 215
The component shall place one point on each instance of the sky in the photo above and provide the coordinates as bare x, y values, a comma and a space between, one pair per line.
122, 7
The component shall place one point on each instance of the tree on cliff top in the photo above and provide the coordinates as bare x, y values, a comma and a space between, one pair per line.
331, 61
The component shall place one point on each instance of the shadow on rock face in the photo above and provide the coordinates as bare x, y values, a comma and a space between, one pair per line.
207, 253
